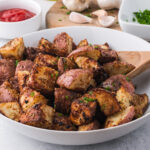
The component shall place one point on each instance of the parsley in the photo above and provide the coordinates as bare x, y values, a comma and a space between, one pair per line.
90, 93
103, 107
90, 44
54, 106
59, 19
32, 94
87, 99
96, 46
80, 101
88, 15
66, 97
133, 19
57, 74
107, 88
60, 114
68, 12
52, 75
63, 7
127, 78
17, 62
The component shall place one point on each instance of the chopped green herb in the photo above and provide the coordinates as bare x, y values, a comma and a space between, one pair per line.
133, 19
17, 62
54, 106
96, 46
66, 97
59, 19
32, 94
60, 114
80, 101
68, 12
87, 99
117, 22
103, 107
57, 74
127, 78
88, 15
107, 88
113, 84
65, 67
90, 44
63, 7
52, 75
90, 93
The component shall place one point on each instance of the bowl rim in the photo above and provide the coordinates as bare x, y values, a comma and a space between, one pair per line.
36, 4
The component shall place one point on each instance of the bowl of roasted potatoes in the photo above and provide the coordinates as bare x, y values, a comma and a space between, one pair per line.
68, 85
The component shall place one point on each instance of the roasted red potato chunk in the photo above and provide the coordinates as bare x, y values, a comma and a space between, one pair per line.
64, 99
91, 126
87, 51
29, 97
39, 116
45, 46
83, 43
8, 93
63, 123
76, 79
7, 69
43, 79
121, 117
118, 67
83, 111
65, 64
11, 110
115, 82
63, 44
46, 60
107, 101
14, 49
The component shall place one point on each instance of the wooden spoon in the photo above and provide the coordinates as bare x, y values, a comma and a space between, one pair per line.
140, 59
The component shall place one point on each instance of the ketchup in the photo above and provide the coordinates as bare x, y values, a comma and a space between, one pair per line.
15, 15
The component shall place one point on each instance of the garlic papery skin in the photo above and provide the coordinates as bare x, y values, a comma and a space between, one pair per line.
106, 21
109, 4
77, 5
99, 13
79, 18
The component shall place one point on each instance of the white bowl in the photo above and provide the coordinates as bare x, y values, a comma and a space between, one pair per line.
118, 41
10, 30
126, 15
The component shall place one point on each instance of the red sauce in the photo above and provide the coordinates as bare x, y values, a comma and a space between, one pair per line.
15, 15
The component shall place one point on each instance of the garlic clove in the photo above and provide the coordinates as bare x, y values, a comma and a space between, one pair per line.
99, 13
79, 18
106, 21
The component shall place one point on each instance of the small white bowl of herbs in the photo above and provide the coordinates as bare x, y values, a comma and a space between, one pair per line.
134, 17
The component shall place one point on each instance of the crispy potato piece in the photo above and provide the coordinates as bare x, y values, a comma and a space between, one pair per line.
29, 97
8, 93
64, 99
82, 111
24, 65
7, 69
65, 64
91, 126
39, 116
76, 79
11, 110
118, 67
63, 44
140, 103
87, 63
87, 51
62, 123
46, 60
43, 79
32, 52
45, 46
124, 98
121, 117
107, 101
115, 82
14, 49
83, 43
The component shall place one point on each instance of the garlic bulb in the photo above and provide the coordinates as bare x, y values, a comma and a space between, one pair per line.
77, 5
106, 21
79, 18
109, 4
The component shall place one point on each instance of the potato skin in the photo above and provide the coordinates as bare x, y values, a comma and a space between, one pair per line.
64, 99
82, 112
62, 123
14, 49
118, 67
65, 64
62, 44
11, 110
91, 126
7, 69
29, 97
76, 79
43, 79
39, 116
45, 46
8, 93
87, 51
121, 117
83, 43
115, 82
107, 101
46, 60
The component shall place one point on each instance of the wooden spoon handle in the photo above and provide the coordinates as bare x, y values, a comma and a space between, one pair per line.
140, 59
